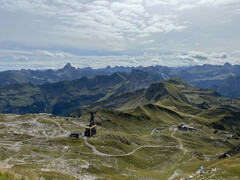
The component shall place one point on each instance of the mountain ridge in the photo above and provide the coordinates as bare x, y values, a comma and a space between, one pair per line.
173, 89
205, 76
60, 97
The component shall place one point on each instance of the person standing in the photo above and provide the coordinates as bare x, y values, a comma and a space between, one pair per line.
201, 170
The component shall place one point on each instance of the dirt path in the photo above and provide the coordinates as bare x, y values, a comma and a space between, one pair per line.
179, 141
95, 151
191, 119
59, 125
153, 131
175, 174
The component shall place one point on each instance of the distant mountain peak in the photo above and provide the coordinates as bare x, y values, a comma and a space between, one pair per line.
68, 66
227, 65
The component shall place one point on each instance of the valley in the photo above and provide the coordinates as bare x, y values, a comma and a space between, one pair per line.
138, 134
128, 145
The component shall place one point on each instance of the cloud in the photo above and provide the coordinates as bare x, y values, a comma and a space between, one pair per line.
44, 53
23, 58
43, 59
115, 22
200, 58
160, 2
149, 41
186, 4
198, 55
222, 55
121, 26
215, 3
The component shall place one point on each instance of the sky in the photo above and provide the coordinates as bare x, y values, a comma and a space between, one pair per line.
42, 34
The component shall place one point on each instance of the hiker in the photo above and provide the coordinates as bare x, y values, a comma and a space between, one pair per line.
201, 170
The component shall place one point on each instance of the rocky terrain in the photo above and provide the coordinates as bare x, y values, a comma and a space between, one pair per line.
127, 146
138, 134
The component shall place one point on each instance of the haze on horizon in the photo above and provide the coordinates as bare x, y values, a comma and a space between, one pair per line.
96, 33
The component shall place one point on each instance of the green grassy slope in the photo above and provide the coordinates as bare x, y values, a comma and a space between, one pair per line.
137, 143
63, 97
57, 98
53, 155
173, 89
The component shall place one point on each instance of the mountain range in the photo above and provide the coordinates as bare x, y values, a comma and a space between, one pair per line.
222, 78
139, 117
174, 90
138, 134
120, 90
68, 72
62, 97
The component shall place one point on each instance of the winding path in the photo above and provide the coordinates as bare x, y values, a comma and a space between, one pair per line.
175, 174
95, 151
59, 125
180, 143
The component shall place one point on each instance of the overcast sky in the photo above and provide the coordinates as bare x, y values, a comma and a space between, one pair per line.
42, 34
